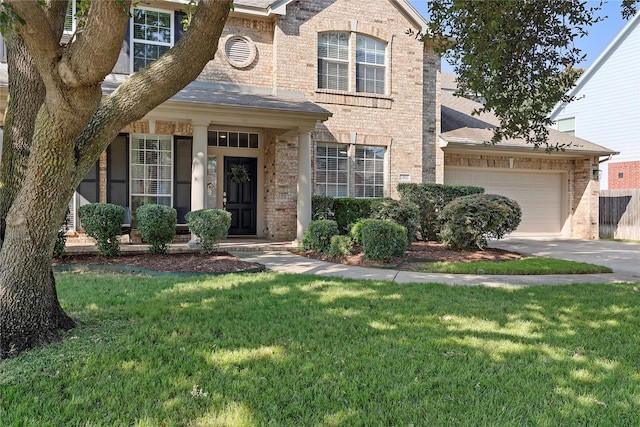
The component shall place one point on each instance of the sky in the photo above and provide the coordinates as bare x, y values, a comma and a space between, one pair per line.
600, 34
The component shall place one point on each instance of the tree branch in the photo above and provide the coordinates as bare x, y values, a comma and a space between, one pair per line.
105, 17
156, 83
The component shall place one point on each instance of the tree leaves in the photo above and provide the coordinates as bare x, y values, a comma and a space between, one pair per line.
518, 55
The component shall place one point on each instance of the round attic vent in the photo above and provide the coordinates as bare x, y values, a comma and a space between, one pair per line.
240, 51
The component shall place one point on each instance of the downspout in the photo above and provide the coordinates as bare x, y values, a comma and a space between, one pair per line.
390, 163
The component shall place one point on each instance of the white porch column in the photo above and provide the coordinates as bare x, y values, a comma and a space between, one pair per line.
304, 183
198, 169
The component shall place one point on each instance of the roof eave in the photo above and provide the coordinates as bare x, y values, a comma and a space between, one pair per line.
505, 148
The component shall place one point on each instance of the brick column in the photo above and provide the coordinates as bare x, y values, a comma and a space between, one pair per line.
304, 183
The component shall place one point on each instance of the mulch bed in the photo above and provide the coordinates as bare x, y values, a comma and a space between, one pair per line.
430, 251
218, 262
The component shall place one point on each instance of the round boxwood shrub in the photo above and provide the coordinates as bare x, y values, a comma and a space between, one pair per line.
210, 226
355, 232
103, 222
340, 246
469, 221
383, 239
157, 225
401, 212
317, 237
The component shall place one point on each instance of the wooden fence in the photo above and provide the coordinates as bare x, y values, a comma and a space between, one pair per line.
620, 214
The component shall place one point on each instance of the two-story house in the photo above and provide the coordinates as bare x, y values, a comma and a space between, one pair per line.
316, 97
606, 107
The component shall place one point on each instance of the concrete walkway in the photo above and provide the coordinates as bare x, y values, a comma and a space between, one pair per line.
623, 258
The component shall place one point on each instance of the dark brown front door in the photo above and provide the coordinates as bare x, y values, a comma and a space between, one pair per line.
240, 194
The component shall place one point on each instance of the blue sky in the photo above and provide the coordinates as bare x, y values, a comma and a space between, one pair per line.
600, 34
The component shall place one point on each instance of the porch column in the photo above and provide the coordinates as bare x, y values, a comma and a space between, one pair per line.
198, 169
304, 183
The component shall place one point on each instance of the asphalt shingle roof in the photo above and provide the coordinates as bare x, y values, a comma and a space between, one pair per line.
459, 127
203, 93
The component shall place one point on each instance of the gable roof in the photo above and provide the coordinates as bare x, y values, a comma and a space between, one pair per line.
460, 129
261, 7
271, 8
601, 59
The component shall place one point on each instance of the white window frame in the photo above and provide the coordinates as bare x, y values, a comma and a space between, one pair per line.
367, 67
148, 169
74, 21
353, 63
135, 40
570, 130
322, 187
325, 62
371, 171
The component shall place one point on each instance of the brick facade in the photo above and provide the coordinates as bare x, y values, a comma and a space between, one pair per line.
624, 175
582, 190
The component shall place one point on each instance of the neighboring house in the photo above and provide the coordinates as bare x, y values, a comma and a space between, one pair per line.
317, 97
607, 107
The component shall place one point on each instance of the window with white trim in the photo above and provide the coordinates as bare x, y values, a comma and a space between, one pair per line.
151, 170
70, 18
152, 36
332, 170
369, 171
567, 125
370, 64
341, 171
336, 63
333, 61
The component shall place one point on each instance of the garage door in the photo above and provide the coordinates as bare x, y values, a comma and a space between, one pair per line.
539, 195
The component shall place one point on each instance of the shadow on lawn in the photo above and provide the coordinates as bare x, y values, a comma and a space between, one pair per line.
303, 350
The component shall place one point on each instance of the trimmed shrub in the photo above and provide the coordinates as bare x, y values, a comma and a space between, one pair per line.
210, 226
431, 199
157, 225
103, 222
382, 239
356, 232
322, 207
340, 246
402, 212
317, 237
61, 239
348, 211
469, 221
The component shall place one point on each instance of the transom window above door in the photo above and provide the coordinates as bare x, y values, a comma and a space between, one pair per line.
233, 139
336, 63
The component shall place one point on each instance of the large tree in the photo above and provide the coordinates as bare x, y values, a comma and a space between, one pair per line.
518, 55
57, 123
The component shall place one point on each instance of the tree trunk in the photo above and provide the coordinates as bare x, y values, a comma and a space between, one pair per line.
71, 129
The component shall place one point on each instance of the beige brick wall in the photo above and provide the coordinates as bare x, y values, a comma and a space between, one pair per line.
395, 120
582, 192
280, 186
260, 72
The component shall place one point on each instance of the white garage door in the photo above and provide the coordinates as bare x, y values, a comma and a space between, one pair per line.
539, 194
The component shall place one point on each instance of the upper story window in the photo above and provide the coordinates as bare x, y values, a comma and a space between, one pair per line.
70, 18
152, 36
333, 61
370, 62
567, 125
336, 63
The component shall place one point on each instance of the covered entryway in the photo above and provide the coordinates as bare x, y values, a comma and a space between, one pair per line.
240, 194
540, 194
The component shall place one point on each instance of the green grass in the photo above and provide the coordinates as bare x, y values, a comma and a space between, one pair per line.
525, 266
295, 350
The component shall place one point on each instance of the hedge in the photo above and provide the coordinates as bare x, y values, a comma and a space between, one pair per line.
431, 199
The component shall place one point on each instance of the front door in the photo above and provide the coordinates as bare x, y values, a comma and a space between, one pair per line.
240, 194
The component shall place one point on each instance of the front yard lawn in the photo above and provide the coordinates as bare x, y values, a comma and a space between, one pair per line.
525, 266
276, 349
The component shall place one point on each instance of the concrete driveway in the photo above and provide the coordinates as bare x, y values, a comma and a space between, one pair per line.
623, 258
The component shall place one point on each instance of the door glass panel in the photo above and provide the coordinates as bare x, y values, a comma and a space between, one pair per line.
212, 182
